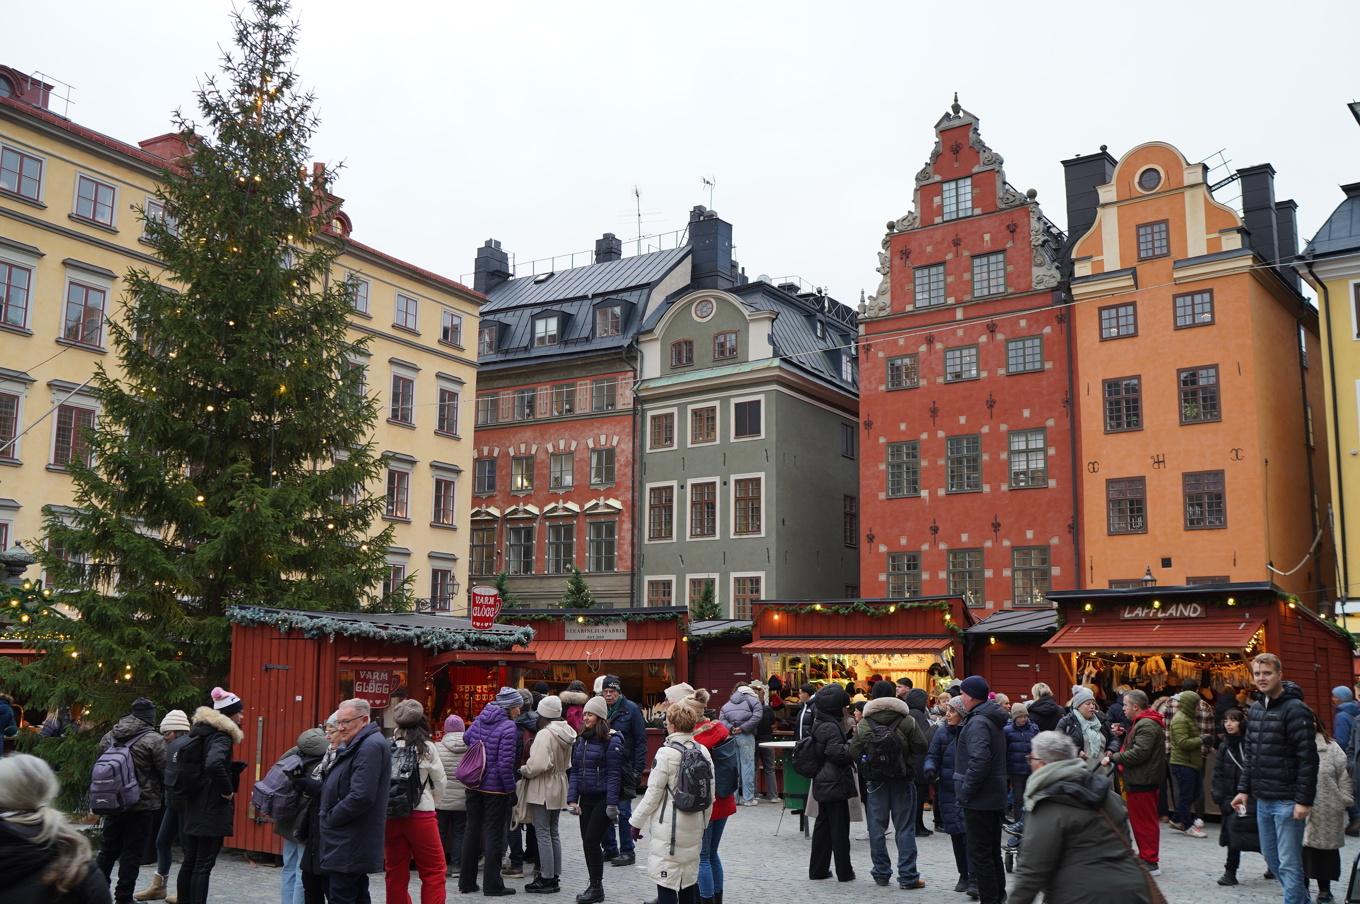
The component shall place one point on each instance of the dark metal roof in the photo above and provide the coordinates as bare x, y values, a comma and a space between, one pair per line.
1341, 232
1017, 621
592, 280
719, 626
1164, 591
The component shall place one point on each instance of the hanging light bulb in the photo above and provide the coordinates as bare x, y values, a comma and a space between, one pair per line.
198, 498
211, 409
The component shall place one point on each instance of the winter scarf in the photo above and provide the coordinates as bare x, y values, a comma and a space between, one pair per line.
1092, 737
1051, 773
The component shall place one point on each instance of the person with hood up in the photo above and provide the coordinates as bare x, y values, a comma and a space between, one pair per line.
175, 725
625, 717
1044, 710
1076, 846
741, 714
574, 704
353, 803
593, 790
1142, 759
206, 813
310, 748
1020, 732
917, 700
488, 804
128, 834
832, 786
1237, 833
1343, 726
415, 836
1325, 832
545, 791
1187, 762
939, 771
1087, 726
980, 777
46, 861
891, 790
451, 811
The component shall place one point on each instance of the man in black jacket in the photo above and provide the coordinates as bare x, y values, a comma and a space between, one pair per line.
980, 783
1280, 772
832, 786
126, 835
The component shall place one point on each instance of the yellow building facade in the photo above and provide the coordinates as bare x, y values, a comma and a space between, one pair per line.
69, 232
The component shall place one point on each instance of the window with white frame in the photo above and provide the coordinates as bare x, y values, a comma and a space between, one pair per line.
446, 411
9, 426
402, 409
747, 419
661, 430
929, 282
4, 535
1028, 458
441, 589
748, 497
398, 504
601, 545
488, 409
545, 330
563, 399
486, 338
21, 173
94, 200
725, 345
358, 293
601, 467
608, 321
604, 394
153, 211
847, 367
703, 425
407, 312
526, 403
445, 501
661, 512
14, 292
956, 199
660, 591
561, 470
394, 579
746, 589
451, 327
698, 586
84, 321
703, 509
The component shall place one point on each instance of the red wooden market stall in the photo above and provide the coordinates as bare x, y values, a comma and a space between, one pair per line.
293, 668
716, 659
1007, 648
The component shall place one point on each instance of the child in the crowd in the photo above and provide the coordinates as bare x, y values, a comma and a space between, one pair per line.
1020, 732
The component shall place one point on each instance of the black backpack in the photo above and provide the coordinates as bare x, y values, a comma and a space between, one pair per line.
885, 756
807, 756
406, 788
726, 768
693, 779
184, 764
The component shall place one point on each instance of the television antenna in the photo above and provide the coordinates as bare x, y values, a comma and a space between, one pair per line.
709, 182
637, 196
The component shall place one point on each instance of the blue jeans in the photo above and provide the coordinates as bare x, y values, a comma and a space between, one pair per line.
1282, 846
617, 838
1186, 779
165, 839
746, 753
710, 866
292, 873
898, 800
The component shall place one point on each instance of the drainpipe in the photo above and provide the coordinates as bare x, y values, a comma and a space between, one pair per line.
1073, 445
1336, 432
635, 532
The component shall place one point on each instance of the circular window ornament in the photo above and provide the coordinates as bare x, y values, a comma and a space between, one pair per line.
703, 309
1149, 179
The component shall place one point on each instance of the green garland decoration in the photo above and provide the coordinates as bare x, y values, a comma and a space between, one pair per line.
583, 617
27, 601
858, 607
435, 639
696, 641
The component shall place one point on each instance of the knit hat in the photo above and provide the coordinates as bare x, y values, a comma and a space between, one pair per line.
1080, 695
677, 692
145, 710
225, 702
577, 685
453, 723
1343, 693
956, 704
507, 698
976, 687
1019, 709
408, 713
312, 742
612, 681
541, 687
550, 707
175, 720
597, 708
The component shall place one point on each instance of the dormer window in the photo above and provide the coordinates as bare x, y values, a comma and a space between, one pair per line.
486, 339
847, 367
608, 321
821, 330
957, 199
545, 331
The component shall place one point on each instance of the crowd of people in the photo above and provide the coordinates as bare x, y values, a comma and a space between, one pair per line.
1064, 791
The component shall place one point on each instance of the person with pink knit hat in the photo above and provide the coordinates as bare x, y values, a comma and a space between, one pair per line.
451, 811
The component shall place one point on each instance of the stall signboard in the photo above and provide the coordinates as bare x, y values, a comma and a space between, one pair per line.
606, 631
374, 685
486, 605
1168, 610
472, 687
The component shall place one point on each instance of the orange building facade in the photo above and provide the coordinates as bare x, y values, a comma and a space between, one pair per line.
1199, 460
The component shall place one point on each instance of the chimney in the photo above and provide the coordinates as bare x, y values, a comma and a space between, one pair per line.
608, 247
22, 86
492, 267
1258, 211
1082, 175
1287, 225
710, 241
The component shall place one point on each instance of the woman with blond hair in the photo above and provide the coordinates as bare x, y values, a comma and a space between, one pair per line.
45, 860
1044, 711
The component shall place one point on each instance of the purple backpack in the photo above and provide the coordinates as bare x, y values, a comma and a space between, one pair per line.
473, 766
113, 781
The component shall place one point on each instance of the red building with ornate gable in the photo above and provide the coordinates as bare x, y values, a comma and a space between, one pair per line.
967, 481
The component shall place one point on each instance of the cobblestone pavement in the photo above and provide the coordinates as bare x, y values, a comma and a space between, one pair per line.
760, 865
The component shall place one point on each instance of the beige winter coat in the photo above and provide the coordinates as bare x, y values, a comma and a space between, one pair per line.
1326, 827
431, 776
679, 869
451, 749
545, 774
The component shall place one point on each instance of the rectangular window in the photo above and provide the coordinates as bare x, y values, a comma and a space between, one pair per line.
526, 402
446, 412
989, 274
904, 574
745, 591
398, 494
14, 283
747, 500
563, 399
904, 469
1123, 404
960, 363
20, 173
1119, 321
84, 314
545, 331
966, 575
957, 199
847, 367
486, 339
661, 513
73, 442
521, 473
484, 471
604, 394
94, 200
441, 589
1205, 507
1207, 579
483, 550
850, 521
703, 509
1025, 355
1028, 458
724, 346
682, 353
561, 468
746, 419
659, 592
608, 321
407, 310
602, 545
964, 464
358, 294
1152, 240
9, 427
1126, 505
451, 327
697, 586
488, 409
4, 535
1031, 576
1194, 309
662, 433
445, 498
394, 581
903, 372
1199, 394
849, 439
519, 549
561, 548
601, 467
154, 212
703, 425
403, 399
929, 285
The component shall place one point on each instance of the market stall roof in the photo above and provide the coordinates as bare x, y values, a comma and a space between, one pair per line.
1017, 621
849, 645
710, 626
1163, 591
645, 650
1167, 635
434, 632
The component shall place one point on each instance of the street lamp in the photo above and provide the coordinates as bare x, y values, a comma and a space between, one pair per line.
1355, 109
1147, 579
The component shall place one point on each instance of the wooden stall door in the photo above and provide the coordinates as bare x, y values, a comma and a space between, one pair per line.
1014, 672
719, 667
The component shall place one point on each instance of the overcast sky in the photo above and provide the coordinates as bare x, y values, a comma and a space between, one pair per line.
532, 122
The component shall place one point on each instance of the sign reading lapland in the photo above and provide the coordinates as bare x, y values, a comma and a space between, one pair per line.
1169, 610
486, 605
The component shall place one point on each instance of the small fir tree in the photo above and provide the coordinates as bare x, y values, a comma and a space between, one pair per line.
578, 595
508, 599
706, 607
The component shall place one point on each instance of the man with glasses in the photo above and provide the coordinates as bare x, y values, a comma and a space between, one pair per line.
354, 804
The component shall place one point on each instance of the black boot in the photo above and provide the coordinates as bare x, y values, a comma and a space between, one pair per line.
593, 894
717, 897
544, 887
1229, 877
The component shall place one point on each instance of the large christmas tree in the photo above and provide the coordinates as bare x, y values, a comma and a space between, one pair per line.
232, 460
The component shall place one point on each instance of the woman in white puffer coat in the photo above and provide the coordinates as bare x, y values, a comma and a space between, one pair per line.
451, 809
674, 870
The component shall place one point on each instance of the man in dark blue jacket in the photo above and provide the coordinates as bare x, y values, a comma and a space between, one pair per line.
353, 805
980, 782
626, 718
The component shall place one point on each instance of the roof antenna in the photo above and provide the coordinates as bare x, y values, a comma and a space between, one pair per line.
710, 181
637, 195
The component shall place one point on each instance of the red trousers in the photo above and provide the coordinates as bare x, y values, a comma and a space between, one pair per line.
1147, 828
414, 837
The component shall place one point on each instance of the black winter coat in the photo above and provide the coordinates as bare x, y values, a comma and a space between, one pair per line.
24, 863
939, 767
208, 811
1234, 831
916, 705
835, 780
354, 805
1281, 761
1045, 712
980, 762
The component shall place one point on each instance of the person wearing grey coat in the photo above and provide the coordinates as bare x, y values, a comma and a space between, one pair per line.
741, 714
